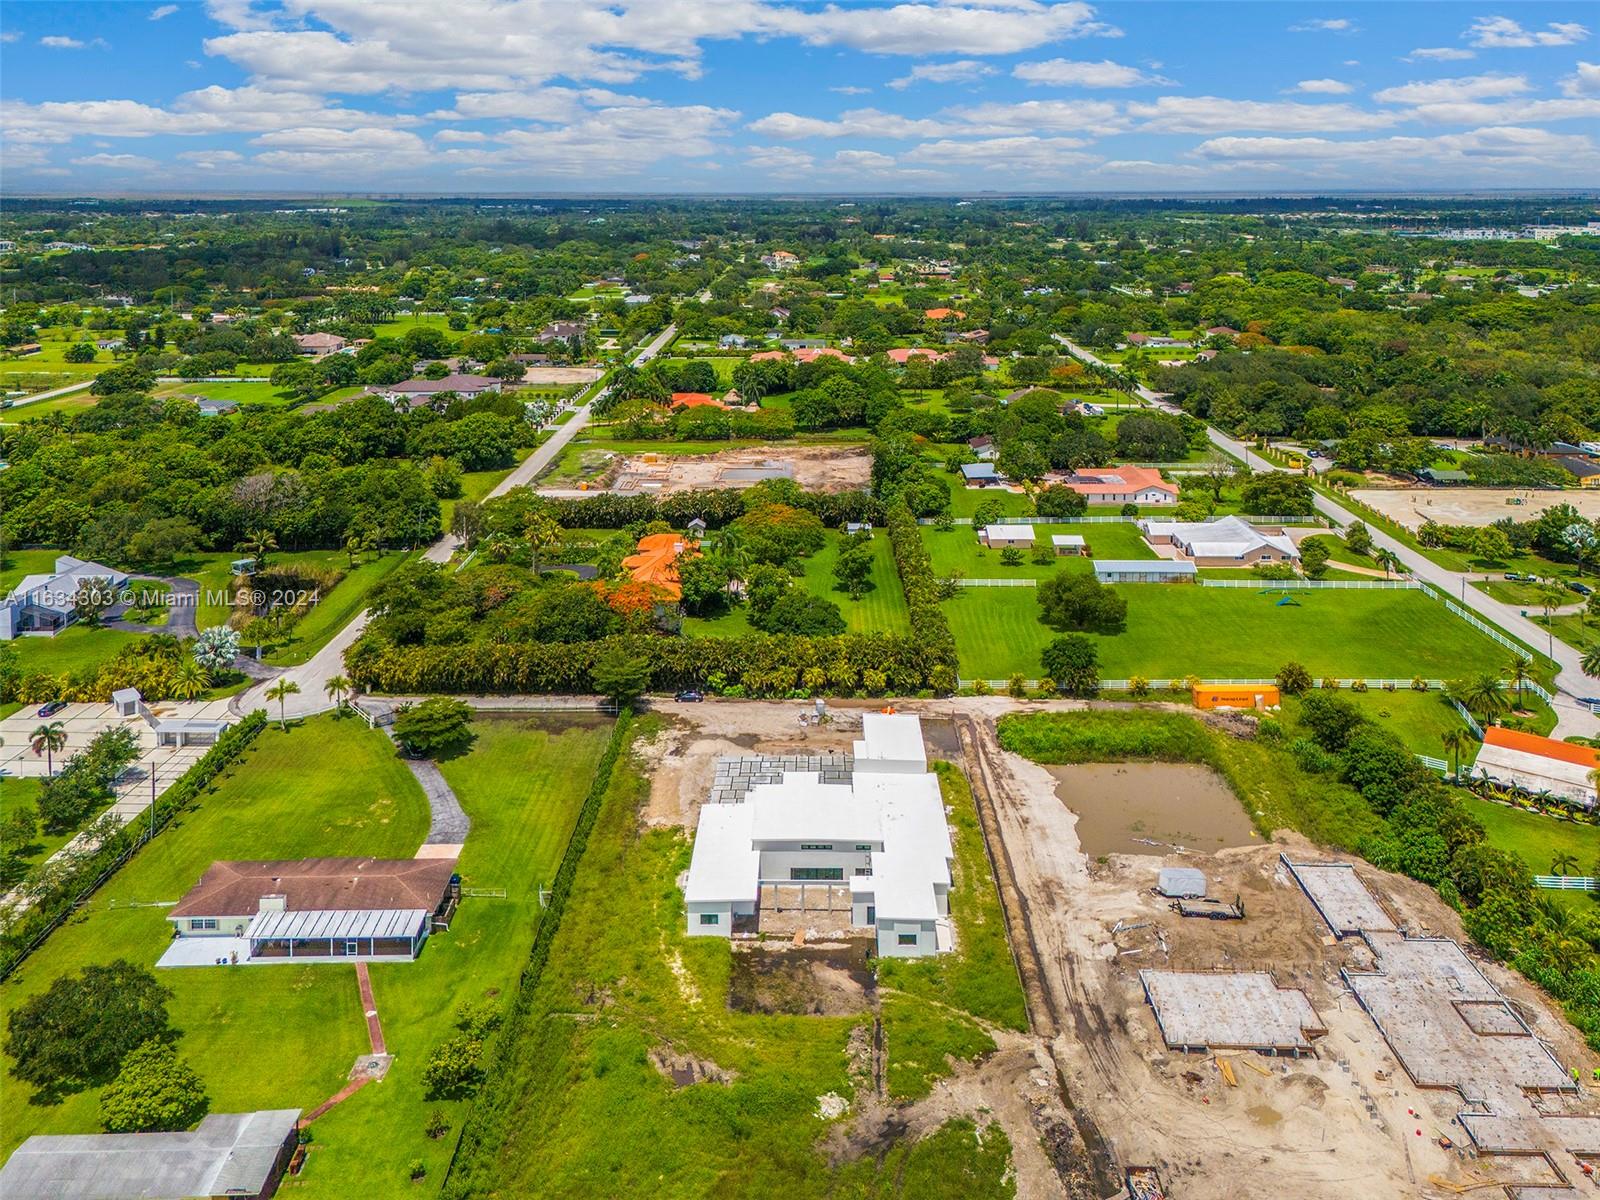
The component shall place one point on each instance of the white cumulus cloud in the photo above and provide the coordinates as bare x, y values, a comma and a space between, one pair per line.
1062, 72
1504, 32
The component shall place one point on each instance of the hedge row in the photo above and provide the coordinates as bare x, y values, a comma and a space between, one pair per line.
59, 892
486, 1126
716, 507
929, 629
759, 664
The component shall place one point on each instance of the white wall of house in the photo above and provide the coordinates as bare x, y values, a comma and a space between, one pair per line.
711, 919
906, 939
776, 863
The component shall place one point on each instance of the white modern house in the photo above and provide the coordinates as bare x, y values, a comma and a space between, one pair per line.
47, 604
879, 830
1001, 536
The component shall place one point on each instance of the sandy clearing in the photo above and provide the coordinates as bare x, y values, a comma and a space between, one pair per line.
1471, 506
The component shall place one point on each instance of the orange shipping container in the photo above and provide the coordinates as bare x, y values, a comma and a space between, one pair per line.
1238, 696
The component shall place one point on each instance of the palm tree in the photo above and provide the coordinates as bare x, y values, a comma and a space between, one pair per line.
256, 546
46, 740
1590, 662
1388, 560
1563, 863
356, 544
1484, 696
281, 691
336, 689
1519, 672
189, 679
1455, 741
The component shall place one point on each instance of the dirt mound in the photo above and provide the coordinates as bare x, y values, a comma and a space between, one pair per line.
685, 1069
833, 981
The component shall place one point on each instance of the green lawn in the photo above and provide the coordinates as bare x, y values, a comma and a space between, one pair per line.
66, 405
1181, 629
882, 609
334, 611
1536, 838
17, 563
958, 549
588, 1116
1416, 718
333, 787
77, 648
400, 326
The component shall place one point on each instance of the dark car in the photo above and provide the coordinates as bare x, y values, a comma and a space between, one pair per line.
1583, 589
690, 697
51, 709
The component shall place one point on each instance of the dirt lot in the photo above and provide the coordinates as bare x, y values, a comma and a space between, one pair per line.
556, 375
1093, 1088
1471, 506
814, 468
1341, 1124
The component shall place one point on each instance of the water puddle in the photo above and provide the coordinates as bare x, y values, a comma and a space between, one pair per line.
1152, 808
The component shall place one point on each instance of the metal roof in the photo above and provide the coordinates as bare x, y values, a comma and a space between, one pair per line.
1144, 566
228, 1154
339, 923
1181, 881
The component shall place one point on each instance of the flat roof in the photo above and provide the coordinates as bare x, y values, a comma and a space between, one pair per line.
1066, 539
804, 809
893, 737
229, 1153
1008, 533
726, 865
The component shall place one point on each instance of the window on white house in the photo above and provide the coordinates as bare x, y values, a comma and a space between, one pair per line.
816, 845
866, 846
908, 939
203, 923
710, 918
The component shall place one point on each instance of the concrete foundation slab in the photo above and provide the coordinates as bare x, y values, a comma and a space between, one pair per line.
1340, 897
1249, 1011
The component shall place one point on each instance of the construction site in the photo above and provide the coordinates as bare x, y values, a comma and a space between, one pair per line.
814, 468
1329, 1032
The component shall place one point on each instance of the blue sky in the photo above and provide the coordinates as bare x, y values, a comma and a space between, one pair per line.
772, 95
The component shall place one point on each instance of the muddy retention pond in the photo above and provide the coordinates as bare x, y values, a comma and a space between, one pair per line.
1152, 808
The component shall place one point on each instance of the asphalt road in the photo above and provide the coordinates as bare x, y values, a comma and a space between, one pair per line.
313, 675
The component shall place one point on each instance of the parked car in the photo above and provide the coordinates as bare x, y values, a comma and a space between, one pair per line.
1583, 589
690, 697
1518, 577
51, 709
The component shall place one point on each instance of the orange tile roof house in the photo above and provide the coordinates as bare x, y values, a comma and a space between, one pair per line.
1537, 764
943, 314
695, 400
656, 561
1123, 485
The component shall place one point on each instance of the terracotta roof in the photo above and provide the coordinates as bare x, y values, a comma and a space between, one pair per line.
694, 400
904, 354
656, 562
234, 889
804, 355
1532, 743
1118, 480
940, 314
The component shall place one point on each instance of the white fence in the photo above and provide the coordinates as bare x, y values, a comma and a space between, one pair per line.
1472, 722
1118, 519
1568, 883
1181, 684
997, 582
1308, 585
1488, 631
1434, 764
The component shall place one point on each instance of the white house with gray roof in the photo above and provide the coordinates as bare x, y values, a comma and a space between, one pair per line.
47, 604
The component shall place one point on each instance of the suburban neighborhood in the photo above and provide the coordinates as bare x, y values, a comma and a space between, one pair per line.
891, 601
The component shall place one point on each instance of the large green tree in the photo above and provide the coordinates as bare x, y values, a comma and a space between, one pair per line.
78, 1032
154, 1091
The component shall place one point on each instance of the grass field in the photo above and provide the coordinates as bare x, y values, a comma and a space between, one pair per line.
1417, 718
1216, 633
880, 610
958, 549
65, 405
400, 326
335, 610
279, 1035
74, 649
588, 1116
1534, 838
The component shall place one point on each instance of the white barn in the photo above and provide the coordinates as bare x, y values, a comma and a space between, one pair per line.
882, 833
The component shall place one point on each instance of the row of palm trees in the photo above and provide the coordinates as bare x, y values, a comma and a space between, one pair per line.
337, 688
